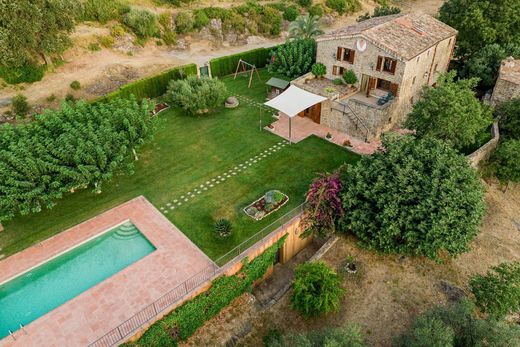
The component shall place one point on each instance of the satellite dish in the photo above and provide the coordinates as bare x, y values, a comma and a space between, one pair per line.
361, 45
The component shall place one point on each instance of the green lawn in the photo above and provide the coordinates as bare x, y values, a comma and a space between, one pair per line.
187, 152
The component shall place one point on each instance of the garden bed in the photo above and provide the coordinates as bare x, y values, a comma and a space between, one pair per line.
162, 106
267, 204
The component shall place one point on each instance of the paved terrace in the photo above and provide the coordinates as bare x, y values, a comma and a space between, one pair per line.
90, 315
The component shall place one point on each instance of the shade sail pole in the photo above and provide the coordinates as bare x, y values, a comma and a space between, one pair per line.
290, 119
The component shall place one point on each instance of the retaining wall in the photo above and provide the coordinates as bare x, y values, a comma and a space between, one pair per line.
483, 153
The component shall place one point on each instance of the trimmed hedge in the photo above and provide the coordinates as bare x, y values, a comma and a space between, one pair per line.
182, 322
151, 87
227, 65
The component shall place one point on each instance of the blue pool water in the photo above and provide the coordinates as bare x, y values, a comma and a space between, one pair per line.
36, 292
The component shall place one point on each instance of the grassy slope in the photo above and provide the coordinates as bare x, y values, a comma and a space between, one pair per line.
186, 152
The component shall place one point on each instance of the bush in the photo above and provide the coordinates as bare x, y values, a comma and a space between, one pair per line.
142, 22
270, 22
184, 22
290, 13
169, 38
200, 19
25, 74
456, 325
197, 95
235, 22
106, 41
222, 227
273, 338
94, 47
498, 292
317, 289
506, 160
226, 65
101, 10
294, 58
20, 106
305, 3
508, 114
350, 77
70, 98
343, 6
337, 81
316, 10
414, 196
319, 70
117, 31
75, 85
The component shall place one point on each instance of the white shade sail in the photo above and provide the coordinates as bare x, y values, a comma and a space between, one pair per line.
294, 100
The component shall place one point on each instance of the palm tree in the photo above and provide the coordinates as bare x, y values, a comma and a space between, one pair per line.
305, 27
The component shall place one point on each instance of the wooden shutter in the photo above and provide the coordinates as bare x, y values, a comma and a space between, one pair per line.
339, 53
393, 66
393, 88
379, 63
334, 70
351, 56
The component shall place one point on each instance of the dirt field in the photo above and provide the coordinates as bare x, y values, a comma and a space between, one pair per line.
105, 70
388, 291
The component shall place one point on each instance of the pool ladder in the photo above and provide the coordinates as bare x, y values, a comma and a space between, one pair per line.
22, 328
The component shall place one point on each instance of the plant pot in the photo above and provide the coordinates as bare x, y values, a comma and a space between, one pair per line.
351, 268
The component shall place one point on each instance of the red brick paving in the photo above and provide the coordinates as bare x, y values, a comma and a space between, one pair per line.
90, 315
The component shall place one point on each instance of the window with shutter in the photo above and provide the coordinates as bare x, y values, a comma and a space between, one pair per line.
334, 70
389, 65
379, 63
339, 53
393, 88
351, 56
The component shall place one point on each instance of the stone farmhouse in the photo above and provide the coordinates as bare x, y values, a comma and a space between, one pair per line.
393, 58
508, 82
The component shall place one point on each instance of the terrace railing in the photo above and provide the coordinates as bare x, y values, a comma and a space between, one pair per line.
175, 295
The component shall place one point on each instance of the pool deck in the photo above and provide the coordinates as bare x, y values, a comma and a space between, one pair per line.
90, 315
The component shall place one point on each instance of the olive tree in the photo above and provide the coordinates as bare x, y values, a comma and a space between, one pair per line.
196, 95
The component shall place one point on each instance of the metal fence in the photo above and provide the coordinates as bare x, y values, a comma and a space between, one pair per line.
118, 334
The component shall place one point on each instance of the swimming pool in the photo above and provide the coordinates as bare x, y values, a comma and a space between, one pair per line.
34, 293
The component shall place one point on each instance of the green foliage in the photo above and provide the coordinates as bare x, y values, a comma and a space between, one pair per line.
153, 86
337, 81
24, 74
305, 3
293, 58
316, 11
506, 160
350, 77
75, 85
200, 19
222, 227
101, 10
450, 112
319, 69
227, 65
343, 6
380, 11
182, 322
106, 41
117, 30
30, 29
291, 13
169, 38
317, 289
142, 22
94, 47
70, 98
434, 328
498, 292
20, 105
77, 146
196, 95
417, 196
508, 114
184, 22
270, 22
305, 27
273, 338
347, 336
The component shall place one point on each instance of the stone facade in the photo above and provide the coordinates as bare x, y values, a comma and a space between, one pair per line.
508, 82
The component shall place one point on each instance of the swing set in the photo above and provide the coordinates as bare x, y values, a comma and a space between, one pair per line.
246, 69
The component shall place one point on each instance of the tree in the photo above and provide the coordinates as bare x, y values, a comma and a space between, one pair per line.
317, 289
319, 70
184, 22
414, 196
197, 95
427, 331
506, 160
143, 23
450, 112
481, 23
380, 11
34, 28
347, 336
508, 114
305, 27
350, 77
498, 292
293, 58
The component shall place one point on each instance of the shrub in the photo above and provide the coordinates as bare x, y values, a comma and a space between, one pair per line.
317, 289
293, 58
101, 10
290, 13
347, 336
350, 77
117, 31
273, 338
94, 47
271, 22
458, 321
51, 98
70, 98
506, 160
75, 85
106, 41
25, 74
184, 22
20, 106
197, 95
319, 70
337, 81
508, 114
142, 22
222, 227
200, 19
234, 22
414, 196
305, 3
343, 6
169, 38
165, 20
316, 10
498, 292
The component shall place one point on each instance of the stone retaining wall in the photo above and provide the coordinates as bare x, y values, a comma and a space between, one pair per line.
483, 153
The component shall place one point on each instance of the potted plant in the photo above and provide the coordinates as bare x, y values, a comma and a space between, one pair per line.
350, 77
319, 70
350, 265
347, 143
328, 136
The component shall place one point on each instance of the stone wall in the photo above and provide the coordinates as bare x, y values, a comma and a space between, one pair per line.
482, 154
505, 91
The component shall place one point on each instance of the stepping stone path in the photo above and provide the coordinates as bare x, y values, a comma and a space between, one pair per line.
211, 183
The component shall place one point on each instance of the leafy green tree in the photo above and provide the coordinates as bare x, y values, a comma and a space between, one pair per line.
293, 58
317, 289
34, 28
101, 11
319, 70
290, 13
197, 95
350, 77
450, 112
305, 27
414, 196
143, 23
508, 114
506, 160
347, 336
498, 292
184, 22
426, 331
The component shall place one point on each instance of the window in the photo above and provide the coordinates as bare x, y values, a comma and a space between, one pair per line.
383, 84
418, 58
345, 54
436, 67
386, 64
338, 70
413, 81
411, 100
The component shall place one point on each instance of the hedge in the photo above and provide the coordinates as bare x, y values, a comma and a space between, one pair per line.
227, 65
182, 322
151, 87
